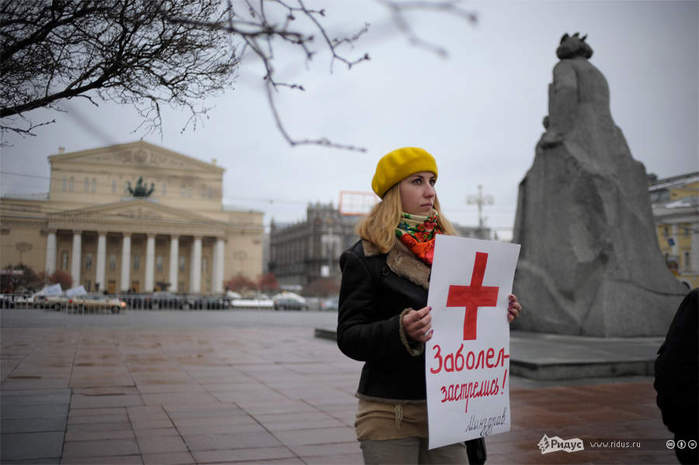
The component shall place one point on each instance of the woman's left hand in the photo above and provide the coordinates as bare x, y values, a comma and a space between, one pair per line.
513, 308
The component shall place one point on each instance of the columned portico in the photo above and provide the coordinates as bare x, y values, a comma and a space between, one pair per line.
218, 266
150, 262
126, 263
76, 258
101, 260
131, 249
174, 265
195, 267
50, 252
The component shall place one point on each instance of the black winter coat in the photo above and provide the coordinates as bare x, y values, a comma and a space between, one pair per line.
376, 289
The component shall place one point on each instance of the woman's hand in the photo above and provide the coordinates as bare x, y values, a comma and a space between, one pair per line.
417, 324
513, 308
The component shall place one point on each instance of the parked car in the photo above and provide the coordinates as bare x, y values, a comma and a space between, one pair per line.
24, 301
7, 301
54, 302
287, 303
95, 303
166, 300
331, 303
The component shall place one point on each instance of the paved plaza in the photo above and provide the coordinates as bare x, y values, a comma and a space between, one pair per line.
166, 388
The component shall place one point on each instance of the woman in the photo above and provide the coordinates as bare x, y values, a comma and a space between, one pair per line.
383, 319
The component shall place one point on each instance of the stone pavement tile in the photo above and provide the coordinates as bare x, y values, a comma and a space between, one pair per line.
316, 436
33, 397
156, 433
201, 442
147, 424
86, 412
115, 390
101, 401
289, 461
294, 421
261, 394
22, 446
108, 447
205, 428
45, 461
235, 419
319, 450
11, 383
94, 427
154, 445
33, 425
72, 436
245, 387
242, 455
347, 459
95, 381
34, 411
119, 417
169, 387
181, 412
171, 458
110, 460
286, 406
180, 399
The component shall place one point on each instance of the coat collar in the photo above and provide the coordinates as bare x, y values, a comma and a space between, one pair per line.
402, 262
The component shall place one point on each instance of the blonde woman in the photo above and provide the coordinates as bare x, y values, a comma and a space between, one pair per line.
384, 319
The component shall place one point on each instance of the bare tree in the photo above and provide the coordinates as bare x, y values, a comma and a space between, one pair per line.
118, 50
147, 53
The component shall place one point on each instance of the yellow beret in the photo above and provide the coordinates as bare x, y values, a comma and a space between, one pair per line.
398, 165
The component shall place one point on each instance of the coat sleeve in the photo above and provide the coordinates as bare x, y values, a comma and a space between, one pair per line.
359, 334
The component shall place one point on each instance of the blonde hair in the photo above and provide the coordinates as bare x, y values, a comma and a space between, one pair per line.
379, 227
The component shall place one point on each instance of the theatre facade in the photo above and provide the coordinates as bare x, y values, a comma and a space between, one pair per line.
133, 217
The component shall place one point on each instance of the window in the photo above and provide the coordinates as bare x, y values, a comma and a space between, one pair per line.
94, 185
64, 260
87, 185
112, 262
182, 263
164, 189
64, 184
686, 261
114, 186
70, 184
88, 262
137, 262
159, 263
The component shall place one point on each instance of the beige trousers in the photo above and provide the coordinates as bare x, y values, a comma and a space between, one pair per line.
411, 451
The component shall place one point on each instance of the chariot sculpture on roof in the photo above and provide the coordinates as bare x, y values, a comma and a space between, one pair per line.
140, 190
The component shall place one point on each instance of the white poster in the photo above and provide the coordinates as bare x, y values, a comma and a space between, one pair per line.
468, 358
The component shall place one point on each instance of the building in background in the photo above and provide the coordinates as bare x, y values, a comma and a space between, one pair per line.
675, 203
306, 251
112, 231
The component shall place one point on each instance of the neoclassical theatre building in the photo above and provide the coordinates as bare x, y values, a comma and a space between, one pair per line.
111, 231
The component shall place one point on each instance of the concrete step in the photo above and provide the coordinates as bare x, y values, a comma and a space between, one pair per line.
544, 356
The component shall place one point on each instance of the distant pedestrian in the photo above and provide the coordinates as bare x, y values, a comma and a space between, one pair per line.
676, 378
384, 319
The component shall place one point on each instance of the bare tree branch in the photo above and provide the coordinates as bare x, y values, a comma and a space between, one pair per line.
147, 53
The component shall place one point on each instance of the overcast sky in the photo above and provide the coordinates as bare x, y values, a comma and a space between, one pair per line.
479, 111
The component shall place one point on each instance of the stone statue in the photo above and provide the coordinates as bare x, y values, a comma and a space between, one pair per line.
590, 262
140, 191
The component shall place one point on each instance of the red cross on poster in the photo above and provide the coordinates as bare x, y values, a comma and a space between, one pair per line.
467, 359
473, 296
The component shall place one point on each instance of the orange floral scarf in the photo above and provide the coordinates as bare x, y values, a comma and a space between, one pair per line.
418, 234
